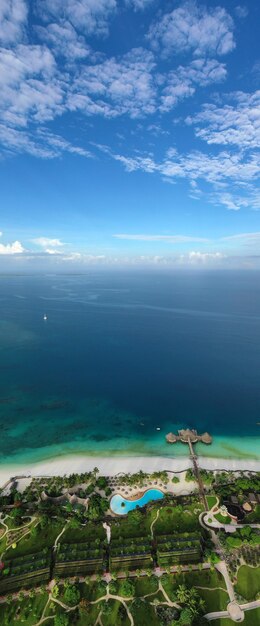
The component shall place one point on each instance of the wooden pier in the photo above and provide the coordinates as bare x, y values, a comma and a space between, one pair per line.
190, 437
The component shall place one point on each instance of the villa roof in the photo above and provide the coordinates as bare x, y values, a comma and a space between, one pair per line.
252, 497
247, 506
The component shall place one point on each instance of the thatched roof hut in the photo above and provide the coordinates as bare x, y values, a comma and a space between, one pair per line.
187, 434
247, 507
206, 438
171, 438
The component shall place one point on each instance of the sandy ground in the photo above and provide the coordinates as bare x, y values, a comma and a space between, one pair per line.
110, 466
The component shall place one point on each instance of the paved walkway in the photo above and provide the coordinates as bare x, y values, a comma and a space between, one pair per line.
243, 607
229, 528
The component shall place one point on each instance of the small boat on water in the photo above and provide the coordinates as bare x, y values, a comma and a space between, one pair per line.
45, 317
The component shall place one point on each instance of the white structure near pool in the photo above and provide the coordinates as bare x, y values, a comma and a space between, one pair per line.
122, 506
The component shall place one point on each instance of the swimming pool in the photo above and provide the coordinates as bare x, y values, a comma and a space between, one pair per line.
122, 506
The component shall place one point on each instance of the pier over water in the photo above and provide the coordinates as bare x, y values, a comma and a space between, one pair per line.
191, 437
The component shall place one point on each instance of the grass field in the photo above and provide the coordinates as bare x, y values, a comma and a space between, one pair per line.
211, 500
248, 582
223, 519
118, 614
215, 599
83, 533
45, 538
174, 519
29, 613
143, 613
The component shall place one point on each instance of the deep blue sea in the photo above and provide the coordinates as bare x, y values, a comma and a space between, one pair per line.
125, 353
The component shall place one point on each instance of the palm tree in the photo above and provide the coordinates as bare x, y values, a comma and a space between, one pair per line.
182, 594
95, 472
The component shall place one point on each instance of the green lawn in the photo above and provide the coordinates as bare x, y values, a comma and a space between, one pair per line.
215, 599
145, 585
130, 527
92, 591
248, 582
86, 618
211, 500
173, 519
143, 613
204, 578
252, 618
83, 533
44, 539
115, 616
254, 516
223, 519
29, 613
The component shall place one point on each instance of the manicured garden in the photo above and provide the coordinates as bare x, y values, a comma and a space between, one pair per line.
212, 501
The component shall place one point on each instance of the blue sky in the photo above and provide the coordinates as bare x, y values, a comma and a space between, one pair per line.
129, 134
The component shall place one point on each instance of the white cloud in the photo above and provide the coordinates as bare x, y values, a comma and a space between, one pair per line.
116, 86
52, 251
237, 124
139, 5
197, 165
85, 258
41, 144
13, 16
241, 11
165, 238
46, 242
182, 82
248, 237
59, 144
193, 28
229, 176
88, 16
30, 86
64, 40
12, 248
196, 257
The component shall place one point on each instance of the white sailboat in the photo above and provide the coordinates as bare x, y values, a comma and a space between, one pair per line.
45, 317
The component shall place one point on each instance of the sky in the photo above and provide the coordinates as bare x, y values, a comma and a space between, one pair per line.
129, 134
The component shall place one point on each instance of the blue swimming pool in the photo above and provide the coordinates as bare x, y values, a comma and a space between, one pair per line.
122, 506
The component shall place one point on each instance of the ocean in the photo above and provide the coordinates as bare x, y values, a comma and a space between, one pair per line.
126, 356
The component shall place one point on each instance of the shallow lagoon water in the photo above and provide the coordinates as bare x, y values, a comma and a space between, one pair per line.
123, 354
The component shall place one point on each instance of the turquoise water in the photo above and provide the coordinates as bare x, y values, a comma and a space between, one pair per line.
123, 354
122, 506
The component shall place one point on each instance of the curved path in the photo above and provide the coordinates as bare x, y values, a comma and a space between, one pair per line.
55, 546
110, 596
153, 522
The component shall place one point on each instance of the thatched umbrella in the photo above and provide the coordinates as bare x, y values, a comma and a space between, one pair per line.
171, 438
206, 438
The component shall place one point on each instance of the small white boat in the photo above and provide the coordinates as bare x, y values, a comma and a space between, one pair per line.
45, 317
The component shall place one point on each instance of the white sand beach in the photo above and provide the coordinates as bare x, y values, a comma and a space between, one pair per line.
110, 466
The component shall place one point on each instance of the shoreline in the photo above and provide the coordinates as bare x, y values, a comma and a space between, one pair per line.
110, 466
